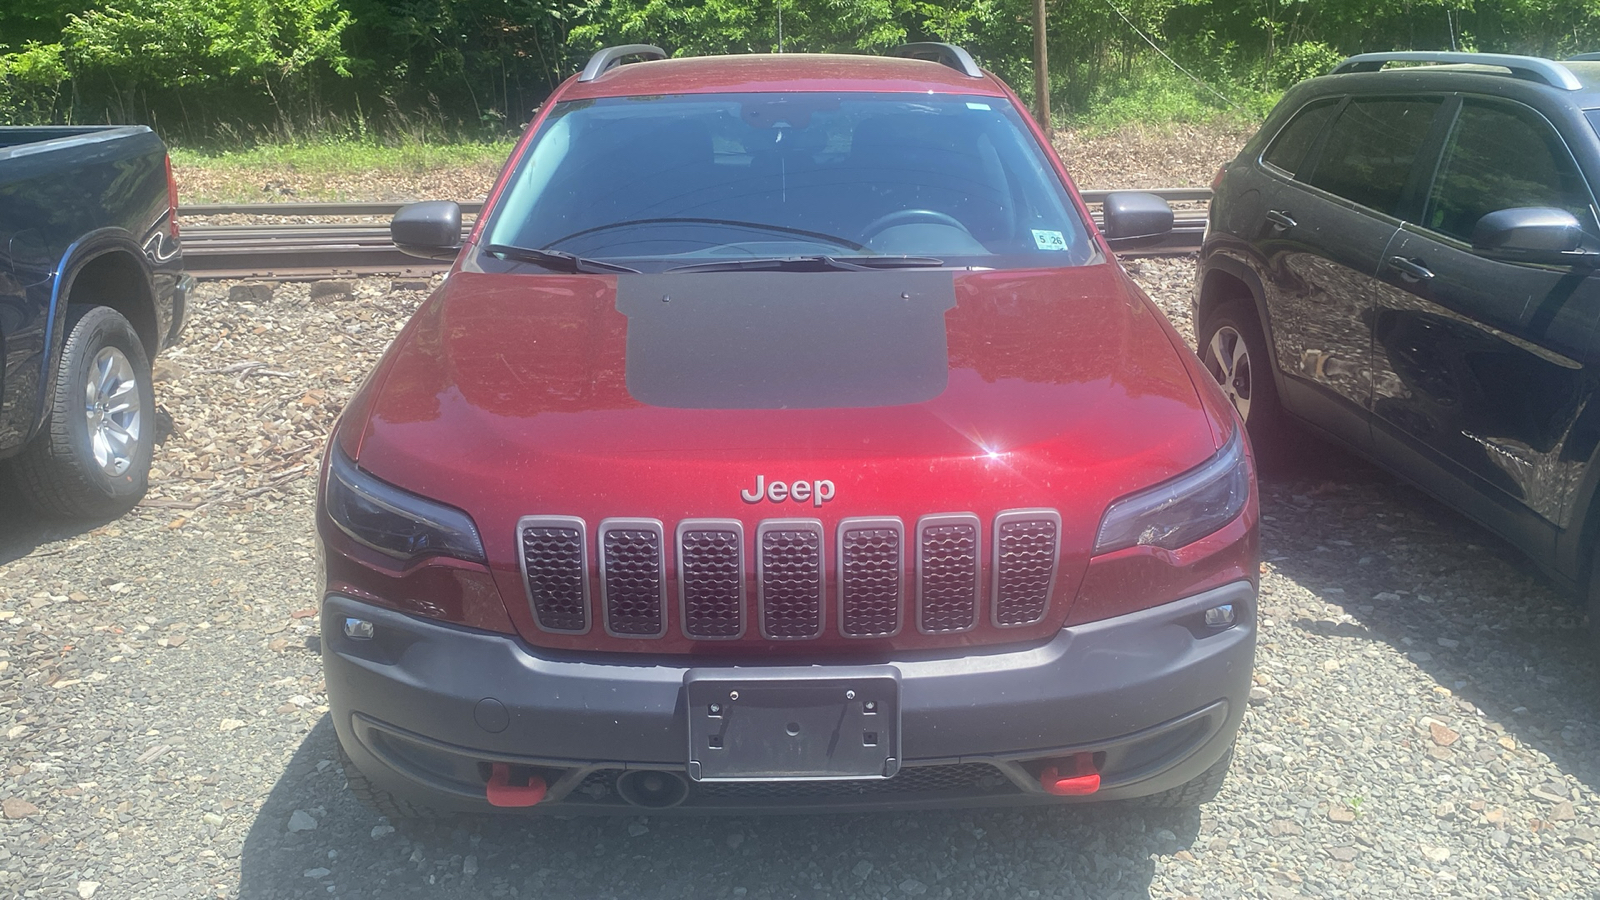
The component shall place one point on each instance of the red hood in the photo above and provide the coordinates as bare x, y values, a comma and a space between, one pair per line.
508, 396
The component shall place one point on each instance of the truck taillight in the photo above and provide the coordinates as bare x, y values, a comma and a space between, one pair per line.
172, 201
1216, 180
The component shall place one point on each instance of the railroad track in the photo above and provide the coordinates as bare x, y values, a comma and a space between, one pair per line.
309, 252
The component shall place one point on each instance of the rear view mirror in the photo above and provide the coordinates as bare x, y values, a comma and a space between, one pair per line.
1531, 234
431, 229
1134, 214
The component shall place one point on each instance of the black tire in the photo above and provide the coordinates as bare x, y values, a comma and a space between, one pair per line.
1202, 789
1251, 379
376, 798
57, 473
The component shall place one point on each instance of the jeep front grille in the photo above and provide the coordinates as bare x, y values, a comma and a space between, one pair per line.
633, 582
711, 578
873, 558
1026, 544
789, 590
871, 572
947, 573
555, 568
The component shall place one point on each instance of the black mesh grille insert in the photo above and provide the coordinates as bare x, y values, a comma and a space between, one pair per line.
791, 582
553, 556
711, 576
1025, 560
633, 580
948, 576
970, 779
869, 580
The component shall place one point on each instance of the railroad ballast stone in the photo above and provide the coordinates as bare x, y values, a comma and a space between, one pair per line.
1424, 722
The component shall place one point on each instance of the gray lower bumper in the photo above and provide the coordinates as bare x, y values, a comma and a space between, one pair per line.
1093, 686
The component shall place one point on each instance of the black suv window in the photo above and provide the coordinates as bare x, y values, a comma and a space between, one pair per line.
1368, 155
1289, 148
1502, 155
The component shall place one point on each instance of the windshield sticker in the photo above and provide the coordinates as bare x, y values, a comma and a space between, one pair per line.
978, 106
1049, 240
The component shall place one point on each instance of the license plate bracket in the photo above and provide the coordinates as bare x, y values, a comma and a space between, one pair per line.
789, 724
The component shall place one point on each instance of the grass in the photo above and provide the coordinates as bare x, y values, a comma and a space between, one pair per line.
333, 169
1161, 98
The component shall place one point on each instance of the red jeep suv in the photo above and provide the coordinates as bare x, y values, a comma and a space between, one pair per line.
785, 436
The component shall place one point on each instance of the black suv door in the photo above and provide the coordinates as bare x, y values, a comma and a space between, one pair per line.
1481, 366
1326, 229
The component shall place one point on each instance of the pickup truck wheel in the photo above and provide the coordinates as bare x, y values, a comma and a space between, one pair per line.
1234, 351
376, 798
92, 458
1202, 789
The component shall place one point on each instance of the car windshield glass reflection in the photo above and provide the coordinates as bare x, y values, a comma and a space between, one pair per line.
666, 182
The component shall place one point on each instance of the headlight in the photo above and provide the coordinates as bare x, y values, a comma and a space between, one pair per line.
395, 522
1183, 510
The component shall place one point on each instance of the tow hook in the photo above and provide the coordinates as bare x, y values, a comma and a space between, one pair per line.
1079, 778
501, 792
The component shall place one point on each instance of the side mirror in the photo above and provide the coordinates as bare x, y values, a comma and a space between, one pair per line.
431, 229
1134, 214
1531, 234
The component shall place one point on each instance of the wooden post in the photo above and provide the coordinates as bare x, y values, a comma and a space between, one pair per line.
1041, 68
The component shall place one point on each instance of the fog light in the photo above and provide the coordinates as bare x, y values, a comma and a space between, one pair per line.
361, 629
1216, 616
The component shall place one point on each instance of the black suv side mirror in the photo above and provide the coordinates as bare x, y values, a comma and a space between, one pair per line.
1532, 234
431, 229
1129, 215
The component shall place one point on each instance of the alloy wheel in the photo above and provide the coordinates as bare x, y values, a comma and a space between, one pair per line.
113, 411
1228, 360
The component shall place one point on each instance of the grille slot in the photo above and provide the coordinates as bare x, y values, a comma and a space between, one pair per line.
711, 578
1026, 552
871, 576
554, 557
968, 779
947, 573
789, 589
633, 583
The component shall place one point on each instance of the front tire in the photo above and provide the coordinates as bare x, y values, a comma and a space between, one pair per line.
1234, 351
92, 458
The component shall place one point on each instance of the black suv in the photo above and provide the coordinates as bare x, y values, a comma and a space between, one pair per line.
1405, 260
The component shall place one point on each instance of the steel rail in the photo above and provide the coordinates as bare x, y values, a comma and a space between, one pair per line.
313, 251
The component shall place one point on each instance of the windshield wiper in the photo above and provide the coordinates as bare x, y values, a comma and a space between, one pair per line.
557, 260
814, 264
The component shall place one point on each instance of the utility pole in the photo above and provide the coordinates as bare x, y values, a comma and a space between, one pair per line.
1041, 68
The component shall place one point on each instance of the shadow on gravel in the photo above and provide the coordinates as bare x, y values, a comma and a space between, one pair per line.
1089, 852
22, 530
1467, 608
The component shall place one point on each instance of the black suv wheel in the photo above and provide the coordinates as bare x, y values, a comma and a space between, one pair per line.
1235, 353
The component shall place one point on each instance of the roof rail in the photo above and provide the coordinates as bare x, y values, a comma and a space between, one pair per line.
1531, 68
943, 54
611, 57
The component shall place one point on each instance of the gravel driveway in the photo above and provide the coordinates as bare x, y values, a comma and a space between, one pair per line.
1424, 722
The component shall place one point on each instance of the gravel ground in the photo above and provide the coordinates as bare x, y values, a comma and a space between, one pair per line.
1424, 722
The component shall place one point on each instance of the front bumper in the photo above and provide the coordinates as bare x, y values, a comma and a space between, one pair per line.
424, 709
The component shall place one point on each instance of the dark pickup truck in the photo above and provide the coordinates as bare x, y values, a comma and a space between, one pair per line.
91, 289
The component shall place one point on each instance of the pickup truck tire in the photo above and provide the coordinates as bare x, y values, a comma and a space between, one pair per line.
92, 458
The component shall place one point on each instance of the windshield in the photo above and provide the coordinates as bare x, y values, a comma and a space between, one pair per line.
661, 182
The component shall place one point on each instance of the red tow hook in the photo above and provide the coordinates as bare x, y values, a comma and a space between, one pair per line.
1079, 780
501, 792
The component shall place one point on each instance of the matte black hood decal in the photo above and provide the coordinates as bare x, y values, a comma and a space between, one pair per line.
786, 340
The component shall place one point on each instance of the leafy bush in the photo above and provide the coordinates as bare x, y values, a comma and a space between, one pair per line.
30, 81
1307, 59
